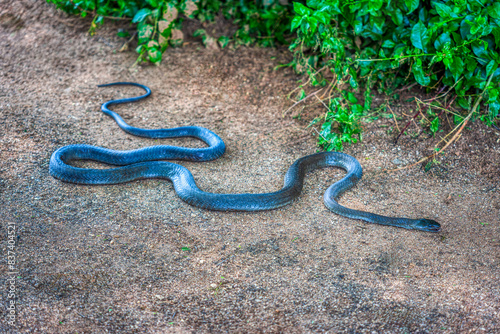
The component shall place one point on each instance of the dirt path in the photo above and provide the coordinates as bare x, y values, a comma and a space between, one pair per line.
135, 258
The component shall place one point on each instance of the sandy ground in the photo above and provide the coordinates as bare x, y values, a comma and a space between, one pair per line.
135, 258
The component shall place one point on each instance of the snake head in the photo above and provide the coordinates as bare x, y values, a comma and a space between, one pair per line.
427, 225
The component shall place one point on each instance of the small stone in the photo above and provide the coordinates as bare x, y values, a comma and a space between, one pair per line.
397, 161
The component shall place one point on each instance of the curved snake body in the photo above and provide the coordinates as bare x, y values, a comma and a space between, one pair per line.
143, 163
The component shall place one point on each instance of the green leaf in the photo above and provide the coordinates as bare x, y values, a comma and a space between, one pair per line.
494, 109
496, 34
301, 95
471, 65
456, 67
374, 6
223, 41
419, 36
199, 32
388, 44
323, 17
154, 55
491, 67
153, 3
419, 74
443, 10
465, 27
353, 82
492, 94
462, 102
435, 125
494, 10
351, 97
301, 10
412, 5
396, 16
141, 15
123, 33
441, 41
144, 32
297, 20
314, 3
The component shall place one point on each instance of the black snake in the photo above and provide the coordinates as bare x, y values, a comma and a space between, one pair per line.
143, 163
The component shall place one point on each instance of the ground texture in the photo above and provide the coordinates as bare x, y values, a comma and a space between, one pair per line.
135, 258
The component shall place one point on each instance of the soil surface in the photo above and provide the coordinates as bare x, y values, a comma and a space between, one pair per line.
135, 258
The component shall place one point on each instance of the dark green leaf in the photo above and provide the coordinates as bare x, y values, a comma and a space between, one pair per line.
494, 10
351, 98
419, 36
223, 41
123, 33
297, 20
435, 125
396, 16
465, 27
323, 17
491, 67
456, 67
144, 32
492, 94
412, 5
441, 41
494, 108
314, 3
353, 82
154, 55
388, 44
419, 74
153, 3
141, 15
301, 10
374, 6
462, 102
443, 10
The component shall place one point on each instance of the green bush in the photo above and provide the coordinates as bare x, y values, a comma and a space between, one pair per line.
378, 45
384, 44
158, 22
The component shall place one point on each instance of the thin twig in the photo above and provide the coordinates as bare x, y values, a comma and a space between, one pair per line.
438, 107
393, 115
407, 125
289, 94
224, 260
305, 98
323, 103
125, 45
416, 115
457, 134
449, 90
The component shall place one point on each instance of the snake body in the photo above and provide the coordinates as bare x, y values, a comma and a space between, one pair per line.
144, 163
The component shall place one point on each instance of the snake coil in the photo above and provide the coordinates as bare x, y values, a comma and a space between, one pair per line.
144, 163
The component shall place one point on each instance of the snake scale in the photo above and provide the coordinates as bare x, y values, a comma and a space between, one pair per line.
149, 163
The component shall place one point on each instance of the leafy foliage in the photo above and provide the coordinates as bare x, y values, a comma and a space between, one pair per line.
159, 22
378, 45
384, 44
